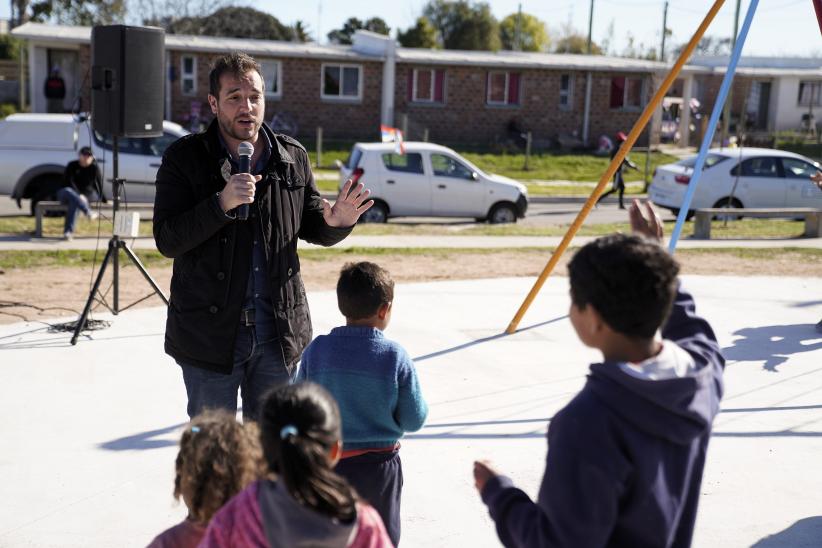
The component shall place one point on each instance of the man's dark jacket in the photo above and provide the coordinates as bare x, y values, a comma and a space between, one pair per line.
212, 253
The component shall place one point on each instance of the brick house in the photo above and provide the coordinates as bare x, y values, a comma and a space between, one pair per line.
452, 97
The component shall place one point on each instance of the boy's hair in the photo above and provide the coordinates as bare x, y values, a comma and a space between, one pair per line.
629, 280
362, 289
218, 457
299, 425
235, 63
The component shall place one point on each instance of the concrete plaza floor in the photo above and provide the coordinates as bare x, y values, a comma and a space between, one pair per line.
89, 432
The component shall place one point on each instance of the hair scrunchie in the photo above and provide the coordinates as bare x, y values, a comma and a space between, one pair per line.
288, 430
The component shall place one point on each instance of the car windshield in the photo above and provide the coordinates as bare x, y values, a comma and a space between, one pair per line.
710, 161
353, 158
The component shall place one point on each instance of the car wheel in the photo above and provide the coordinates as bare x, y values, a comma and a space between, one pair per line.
377, 213
502, 213
727, 203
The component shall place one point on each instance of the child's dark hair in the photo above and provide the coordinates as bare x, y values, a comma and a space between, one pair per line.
234, 63
362, 289
299, 425
218, 457
629, 280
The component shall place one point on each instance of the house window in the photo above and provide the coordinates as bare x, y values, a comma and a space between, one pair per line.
626, 92
502, 88
427, 86
566, 92
342, 82
188, 74
272, 75
810, 93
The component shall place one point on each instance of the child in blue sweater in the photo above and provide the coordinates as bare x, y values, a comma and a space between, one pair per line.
375, 384
625, 456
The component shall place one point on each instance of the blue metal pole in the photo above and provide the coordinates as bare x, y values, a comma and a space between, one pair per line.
709, 135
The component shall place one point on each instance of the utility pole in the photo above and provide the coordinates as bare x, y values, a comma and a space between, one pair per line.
590, 26
664, 31
319, 20
518, 40
726, 111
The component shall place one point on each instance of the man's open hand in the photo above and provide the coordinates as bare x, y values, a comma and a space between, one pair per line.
817, 179
350, 204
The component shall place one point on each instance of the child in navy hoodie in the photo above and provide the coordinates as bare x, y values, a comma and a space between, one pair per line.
626, 455
375, 384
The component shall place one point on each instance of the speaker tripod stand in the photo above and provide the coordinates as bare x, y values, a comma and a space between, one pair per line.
115, 244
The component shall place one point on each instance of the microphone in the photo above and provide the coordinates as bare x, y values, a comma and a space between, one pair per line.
244, 152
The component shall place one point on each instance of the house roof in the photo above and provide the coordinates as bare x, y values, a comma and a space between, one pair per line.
520, 59
217, 44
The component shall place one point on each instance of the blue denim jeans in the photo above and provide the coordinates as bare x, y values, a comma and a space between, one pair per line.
74, 200
258, 367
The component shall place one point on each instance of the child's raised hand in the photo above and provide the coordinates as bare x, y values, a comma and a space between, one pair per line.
483, 471
645, 221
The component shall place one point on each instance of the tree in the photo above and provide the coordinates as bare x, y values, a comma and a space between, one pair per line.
345, 34
78, 12
300, 32
233, 22
523, 32
572, 41
421, 35
709, 45
462, 25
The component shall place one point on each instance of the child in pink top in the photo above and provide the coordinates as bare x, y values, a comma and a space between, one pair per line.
218, 457
303, 502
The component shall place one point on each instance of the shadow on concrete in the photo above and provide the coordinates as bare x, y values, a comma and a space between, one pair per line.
776, 434
143, 440
457, 436
757, 409
806, 304
772, 344
484, 423
805, 533
485, 340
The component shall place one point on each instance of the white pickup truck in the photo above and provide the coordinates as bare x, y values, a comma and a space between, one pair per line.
35, 148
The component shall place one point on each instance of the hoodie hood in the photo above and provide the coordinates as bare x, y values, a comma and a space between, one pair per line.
669, 396
289, 524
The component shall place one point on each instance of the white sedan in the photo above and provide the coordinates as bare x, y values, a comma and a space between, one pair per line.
744, 177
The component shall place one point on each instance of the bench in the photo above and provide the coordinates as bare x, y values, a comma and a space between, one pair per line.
813, 218
48, 206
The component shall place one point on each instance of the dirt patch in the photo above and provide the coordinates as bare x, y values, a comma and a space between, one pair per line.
48, 292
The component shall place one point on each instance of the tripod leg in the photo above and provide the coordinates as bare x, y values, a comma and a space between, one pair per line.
81, 323
143, 271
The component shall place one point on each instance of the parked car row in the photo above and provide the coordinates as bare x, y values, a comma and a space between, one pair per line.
35, 148
431, 180
745, 177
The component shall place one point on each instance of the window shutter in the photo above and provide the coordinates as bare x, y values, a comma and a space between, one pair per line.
513, 88
439, 86
410, 85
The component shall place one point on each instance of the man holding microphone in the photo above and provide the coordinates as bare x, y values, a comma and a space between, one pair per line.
230, 204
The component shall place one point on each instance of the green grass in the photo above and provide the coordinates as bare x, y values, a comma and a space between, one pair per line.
67, 258
53, 226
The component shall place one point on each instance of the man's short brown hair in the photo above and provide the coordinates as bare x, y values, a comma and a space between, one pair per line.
234, 63
362, 289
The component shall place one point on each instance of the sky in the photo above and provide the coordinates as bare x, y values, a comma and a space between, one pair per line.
780, 27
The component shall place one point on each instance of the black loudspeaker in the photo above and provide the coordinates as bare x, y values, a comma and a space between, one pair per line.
127, 80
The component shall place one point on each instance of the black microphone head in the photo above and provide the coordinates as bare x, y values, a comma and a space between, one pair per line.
245, 149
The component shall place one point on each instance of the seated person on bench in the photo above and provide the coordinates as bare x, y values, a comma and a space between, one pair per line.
82, 184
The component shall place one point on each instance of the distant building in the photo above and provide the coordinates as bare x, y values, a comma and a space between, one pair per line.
456, 97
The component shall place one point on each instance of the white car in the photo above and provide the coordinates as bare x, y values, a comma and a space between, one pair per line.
431, 180
745, 177
35, 148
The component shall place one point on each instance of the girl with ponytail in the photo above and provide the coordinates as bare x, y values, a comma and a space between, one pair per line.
302, 502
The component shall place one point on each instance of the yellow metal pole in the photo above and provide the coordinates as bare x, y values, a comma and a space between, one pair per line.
617, 160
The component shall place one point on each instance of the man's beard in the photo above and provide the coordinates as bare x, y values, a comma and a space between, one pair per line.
227, 128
